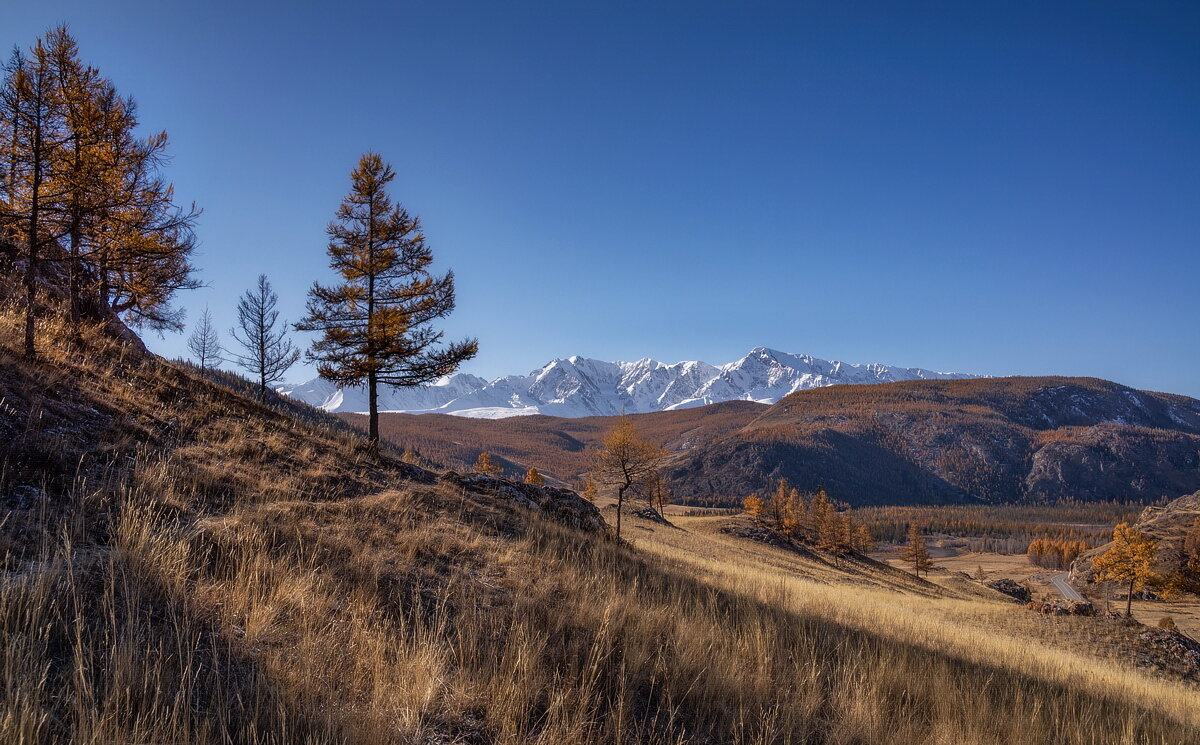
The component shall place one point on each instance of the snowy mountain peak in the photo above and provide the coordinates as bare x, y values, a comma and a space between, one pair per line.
580, 386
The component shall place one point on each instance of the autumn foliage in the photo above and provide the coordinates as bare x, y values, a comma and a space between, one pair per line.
1055, 554
810, 519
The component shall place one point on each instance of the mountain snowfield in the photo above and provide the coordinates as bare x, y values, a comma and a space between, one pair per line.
578, 386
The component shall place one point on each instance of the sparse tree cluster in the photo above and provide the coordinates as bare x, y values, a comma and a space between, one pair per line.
811, 519
1055, 554
916, 551
81, 193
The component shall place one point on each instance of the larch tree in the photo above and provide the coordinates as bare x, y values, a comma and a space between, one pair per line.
825, 518
590, 491
268, 352
75, 176
487, 465
655, 490
863, 540
625, 459
533, 477
753, 505
376, 325
35, 135
916, 552
81, 94
1130, 561
204, 342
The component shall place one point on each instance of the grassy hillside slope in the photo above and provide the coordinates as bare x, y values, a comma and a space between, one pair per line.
184, 565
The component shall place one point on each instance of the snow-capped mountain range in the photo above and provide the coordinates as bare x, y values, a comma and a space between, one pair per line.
578, 386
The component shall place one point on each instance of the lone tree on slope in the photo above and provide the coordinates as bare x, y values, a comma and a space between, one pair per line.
487, 465
533, 477
916, 552
375, 325
269, 353
1131, 560
626, 459
204, 342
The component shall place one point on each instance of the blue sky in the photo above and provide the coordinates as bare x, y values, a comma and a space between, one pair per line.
960, 186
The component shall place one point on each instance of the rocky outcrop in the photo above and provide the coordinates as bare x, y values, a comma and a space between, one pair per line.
561, 505
1059, 607
1011, 588
1169, 524
1170, 650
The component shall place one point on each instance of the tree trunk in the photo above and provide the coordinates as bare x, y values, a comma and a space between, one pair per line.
373, 408
31, 268
620, 501
1129, 600
73, 284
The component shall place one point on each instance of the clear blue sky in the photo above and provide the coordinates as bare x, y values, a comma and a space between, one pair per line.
961, 186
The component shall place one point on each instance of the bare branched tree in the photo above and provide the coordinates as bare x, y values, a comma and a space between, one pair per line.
269, 353
204, 342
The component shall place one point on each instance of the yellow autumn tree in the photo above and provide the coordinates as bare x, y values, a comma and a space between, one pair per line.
625, 459
590, 492
916, 552
863, 540
533, 477
753, 505
487, 465
1129, 560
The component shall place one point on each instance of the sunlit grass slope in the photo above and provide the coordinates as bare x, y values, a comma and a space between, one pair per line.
193, 567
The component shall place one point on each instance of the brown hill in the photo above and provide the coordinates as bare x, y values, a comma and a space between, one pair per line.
991, 440
920, 442
557, 447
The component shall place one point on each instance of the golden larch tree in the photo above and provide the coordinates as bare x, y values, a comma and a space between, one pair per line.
625, 459
1129, 560
533, 477
916, 552
863, 540
376, 324
487, 465
753, 505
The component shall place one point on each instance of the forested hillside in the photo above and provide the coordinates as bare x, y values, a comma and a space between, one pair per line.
987, 440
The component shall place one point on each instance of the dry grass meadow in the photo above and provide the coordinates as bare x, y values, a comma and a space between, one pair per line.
200, 568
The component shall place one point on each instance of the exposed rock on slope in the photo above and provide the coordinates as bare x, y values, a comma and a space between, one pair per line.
1169, 524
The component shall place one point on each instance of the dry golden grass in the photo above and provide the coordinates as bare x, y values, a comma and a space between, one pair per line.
206, 584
